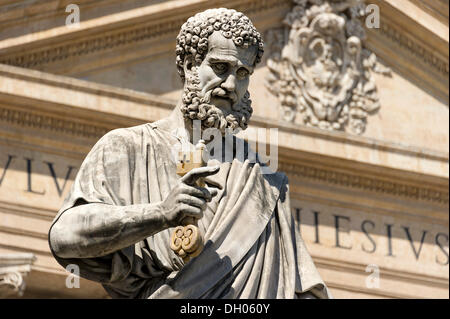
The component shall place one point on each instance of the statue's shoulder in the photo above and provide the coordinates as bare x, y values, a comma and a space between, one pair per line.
127, 137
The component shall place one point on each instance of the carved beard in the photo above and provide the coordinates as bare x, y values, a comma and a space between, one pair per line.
197, 107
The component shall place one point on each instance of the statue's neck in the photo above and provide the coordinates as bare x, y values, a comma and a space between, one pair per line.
178, 125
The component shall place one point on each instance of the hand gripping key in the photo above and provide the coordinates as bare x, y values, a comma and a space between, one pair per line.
187, 241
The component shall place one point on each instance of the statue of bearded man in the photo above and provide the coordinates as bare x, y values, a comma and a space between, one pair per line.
127, 198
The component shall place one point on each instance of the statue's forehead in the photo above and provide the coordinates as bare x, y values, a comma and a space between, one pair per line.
221, 47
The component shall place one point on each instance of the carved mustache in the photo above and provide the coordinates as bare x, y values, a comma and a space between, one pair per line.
219, 92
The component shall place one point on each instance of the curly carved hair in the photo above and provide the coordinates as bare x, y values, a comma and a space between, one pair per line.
193, 37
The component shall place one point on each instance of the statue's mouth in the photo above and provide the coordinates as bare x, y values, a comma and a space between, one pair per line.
222, 95
223, 102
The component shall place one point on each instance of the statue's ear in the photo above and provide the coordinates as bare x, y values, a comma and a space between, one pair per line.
188, 65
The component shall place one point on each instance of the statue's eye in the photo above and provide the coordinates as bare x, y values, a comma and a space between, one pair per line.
242, 73
220, 67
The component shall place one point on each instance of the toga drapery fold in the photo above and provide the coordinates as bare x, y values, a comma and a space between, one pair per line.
252, 248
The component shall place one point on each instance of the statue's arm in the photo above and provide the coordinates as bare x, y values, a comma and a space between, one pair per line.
97, 229
94, 230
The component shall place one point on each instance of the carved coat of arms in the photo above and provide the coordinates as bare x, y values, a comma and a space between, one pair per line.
319, 69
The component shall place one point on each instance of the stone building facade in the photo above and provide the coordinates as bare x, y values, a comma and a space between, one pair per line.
358, 92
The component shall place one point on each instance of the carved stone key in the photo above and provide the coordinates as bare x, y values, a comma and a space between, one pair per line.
187, 241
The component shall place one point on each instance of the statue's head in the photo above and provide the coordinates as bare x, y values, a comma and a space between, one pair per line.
217, 51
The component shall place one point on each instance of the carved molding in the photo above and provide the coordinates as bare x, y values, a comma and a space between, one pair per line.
53, 124
419, 51
437, 8
105, 41
313, 173
73, 128
13, 267
320, 70
70, 127
83, 47
372, 184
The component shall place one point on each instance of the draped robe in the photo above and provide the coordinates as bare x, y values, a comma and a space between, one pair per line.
252, 248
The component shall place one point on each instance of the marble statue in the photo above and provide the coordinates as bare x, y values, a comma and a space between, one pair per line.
131, 193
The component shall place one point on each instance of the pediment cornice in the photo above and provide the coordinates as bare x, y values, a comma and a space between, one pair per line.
416, 48
116, 30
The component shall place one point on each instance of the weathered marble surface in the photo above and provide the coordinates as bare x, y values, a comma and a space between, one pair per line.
270, 255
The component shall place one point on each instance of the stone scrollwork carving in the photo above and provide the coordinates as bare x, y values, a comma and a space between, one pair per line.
15, 280
319, 68
13, 268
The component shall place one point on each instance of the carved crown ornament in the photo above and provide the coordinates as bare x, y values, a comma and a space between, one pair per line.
319, 69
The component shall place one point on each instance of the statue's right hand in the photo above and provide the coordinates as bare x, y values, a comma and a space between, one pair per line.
186, 199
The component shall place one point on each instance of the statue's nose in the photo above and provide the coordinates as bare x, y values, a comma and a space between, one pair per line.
230, 83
